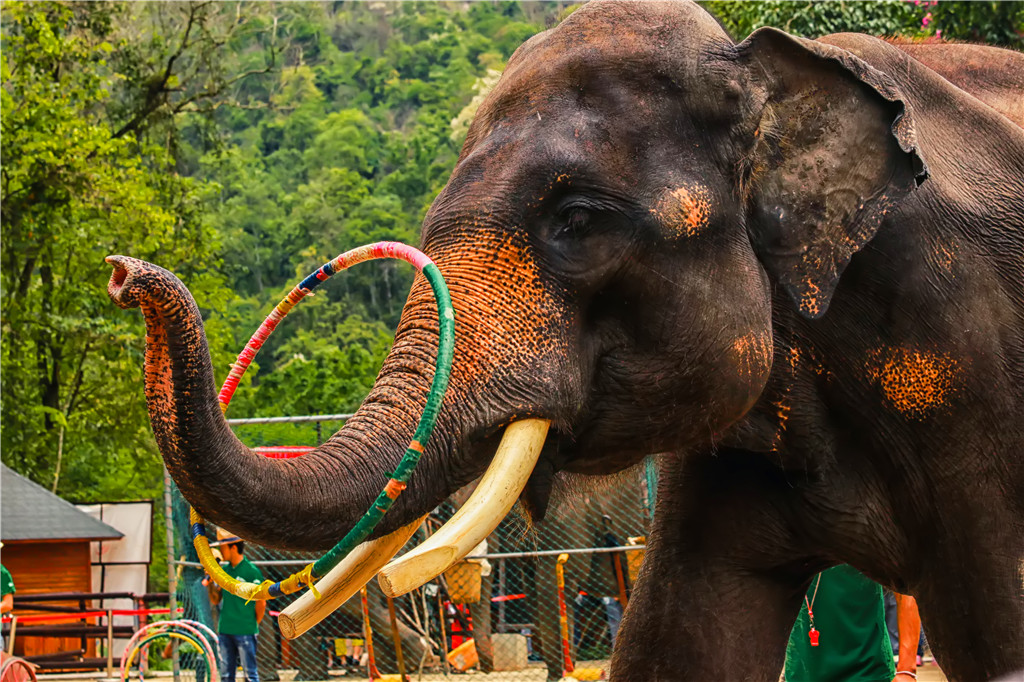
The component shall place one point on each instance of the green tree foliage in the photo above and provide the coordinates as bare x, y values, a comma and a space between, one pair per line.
997, 23
89, 169
74, 192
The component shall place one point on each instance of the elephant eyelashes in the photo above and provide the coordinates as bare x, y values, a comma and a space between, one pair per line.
577, 223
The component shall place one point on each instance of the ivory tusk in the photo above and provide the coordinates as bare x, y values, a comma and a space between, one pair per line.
499, 489
343, 581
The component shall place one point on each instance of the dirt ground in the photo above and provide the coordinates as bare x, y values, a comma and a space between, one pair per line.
929, 672
536, 673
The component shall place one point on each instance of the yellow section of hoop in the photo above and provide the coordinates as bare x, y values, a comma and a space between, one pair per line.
246, 590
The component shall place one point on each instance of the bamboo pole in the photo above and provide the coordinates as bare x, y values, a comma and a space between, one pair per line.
110, 644
10, 643
444, 631
396, 638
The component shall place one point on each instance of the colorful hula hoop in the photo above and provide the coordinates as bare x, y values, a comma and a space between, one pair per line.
201, 632
397, 483
171, 634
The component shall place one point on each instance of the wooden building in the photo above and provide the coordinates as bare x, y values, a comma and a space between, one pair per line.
46, 549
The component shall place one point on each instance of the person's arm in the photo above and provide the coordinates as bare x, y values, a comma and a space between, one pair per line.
7, 603
213, 590
909, 622
261, 610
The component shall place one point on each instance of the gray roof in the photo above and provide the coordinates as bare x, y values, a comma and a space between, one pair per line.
30, 512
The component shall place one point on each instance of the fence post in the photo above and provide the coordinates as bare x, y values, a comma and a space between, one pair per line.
110, 644
396, 638
172, 574
14, 629
502, 567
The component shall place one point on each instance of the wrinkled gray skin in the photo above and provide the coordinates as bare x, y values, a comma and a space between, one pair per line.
798, 266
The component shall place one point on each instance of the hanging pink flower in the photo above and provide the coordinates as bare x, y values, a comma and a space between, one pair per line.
926, 20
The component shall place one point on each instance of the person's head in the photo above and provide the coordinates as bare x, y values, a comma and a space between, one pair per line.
230, 546
233, 552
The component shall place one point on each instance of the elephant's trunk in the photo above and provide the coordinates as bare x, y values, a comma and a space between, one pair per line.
306, 503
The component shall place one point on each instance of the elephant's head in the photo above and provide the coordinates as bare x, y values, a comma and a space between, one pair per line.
626, 199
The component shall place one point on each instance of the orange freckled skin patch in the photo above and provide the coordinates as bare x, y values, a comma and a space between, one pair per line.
782, 405
810, 300
915, 382
752, 354
159, 379
945, 255
502, 310
685, 211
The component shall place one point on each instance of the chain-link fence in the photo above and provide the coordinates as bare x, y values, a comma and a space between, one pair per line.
498, 613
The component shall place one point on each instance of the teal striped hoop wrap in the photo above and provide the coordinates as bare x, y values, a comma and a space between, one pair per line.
401, 475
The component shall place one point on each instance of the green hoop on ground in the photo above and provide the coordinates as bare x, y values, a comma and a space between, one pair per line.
397, 483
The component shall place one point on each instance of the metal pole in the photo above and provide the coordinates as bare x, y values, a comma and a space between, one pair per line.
291, 420
172, 573
556, 552
444, 631
496, 556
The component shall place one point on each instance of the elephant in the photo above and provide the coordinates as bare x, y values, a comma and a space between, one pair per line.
795, 265
991, 74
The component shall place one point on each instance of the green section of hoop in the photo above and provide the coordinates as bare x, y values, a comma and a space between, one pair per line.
438, 387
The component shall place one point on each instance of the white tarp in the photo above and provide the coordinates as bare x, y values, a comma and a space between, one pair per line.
122, 565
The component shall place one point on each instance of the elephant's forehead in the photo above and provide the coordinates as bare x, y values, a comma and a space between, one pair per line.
600, 74
633, 41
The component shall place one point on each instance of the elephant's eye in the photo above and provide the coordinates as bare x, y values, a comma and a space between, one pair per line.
576, 222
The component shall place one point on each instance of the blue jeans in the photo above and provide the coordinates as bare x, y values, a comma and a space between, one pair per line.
229, 648
613, 612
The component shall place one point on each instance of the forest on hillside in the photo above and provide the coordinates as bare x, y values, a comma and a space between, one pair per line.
241, 145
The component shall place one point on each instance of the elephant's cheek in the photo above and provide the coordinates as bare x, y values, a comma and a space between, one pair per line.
505, 317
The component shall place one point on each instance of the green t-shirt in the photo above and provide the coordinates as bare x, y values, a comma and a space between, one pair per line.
237, 617
853, 644
6, 582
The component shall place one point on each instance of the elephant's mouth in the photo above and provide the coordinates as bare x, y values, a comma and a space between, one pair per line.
507, 476
511, 469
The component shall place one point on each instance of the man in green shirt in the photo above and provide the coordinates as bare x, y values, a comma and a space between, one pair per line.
840, 634
6, 590
239, 622
6, 594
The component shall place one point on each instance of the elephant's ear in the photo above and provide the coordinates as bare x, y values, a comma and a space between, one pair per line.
834, 151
